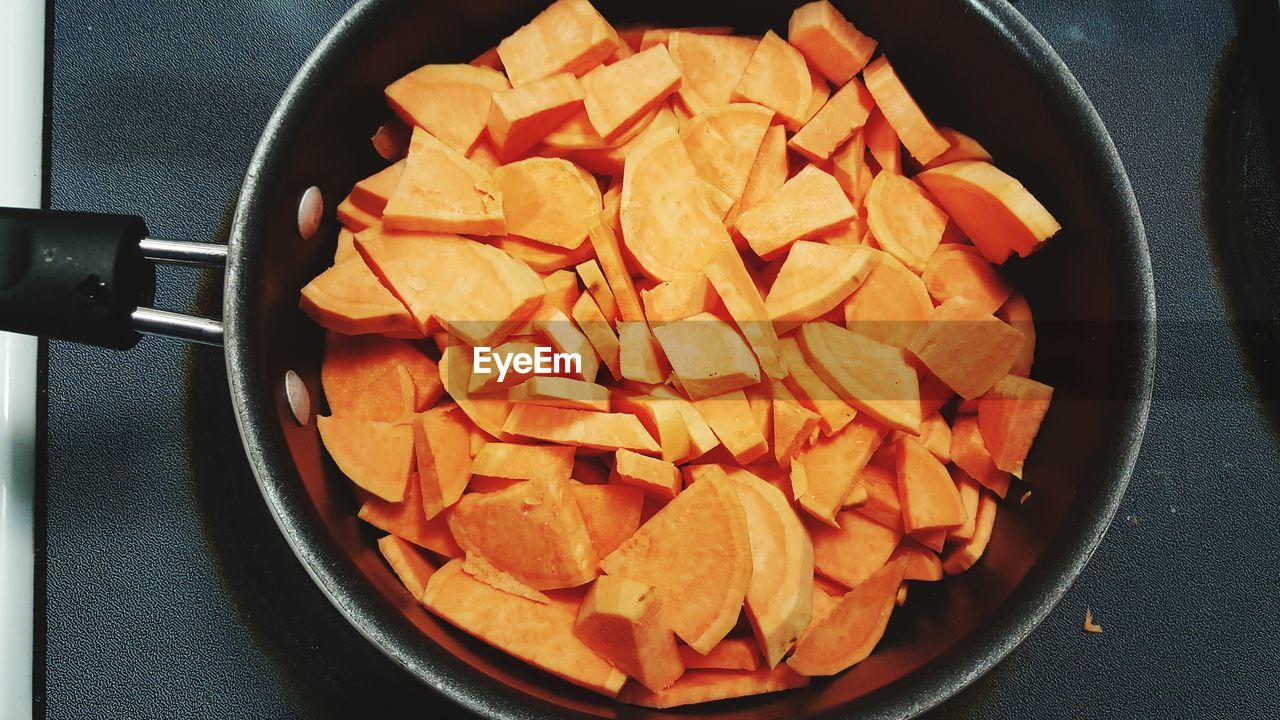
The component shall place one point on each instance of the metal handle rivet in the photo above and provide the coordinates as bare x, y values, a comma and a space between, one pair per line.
310, 212
299, 399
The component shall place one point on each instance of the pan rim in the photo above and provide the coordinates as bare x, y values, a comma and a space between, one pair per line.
938, 680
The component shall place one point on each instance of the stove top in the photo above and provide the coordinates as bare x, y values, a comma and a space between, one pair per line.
164, 589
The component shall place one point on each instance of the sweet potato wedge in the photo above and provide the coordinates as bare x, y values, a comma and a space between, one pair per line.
449, 101
408, 563
723, 143
488, 411
548, 200
883, 143
873, 377
815, 278
523, 116
617, 94
638, 358
699, 686
741, 297
583, 428
441, 190
663, 420
812, 391
853, 628
353, 363
967, 348
406, 520
566, 337
962, 147
1017, 312
441, 438
348, 298
677, 299
904, 221
711, 66
656, 477
373, 192
593, 280
992, 208
840, 117
776, 77
919, 136
731, 418
569, 36
610, 511
622, 620
599, 333
930, 500
961, 271
883, 504
962, 556
1009, 416
707, 356
823, 473
562, 393
970, 491
375, 456
793, 424
829, 41
540, 257
922, 563
769, 171
852, 552
806, 206
523, 462
891, 305
608, 249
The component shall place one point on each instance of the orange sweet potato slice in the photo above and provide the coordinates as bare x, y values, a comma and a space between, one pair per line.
668, 226
490, 293
848, 163
523, 116
348, 298
992, 208
728, 654
442, 442
375, 456
967, 348
707, 356
930, 500
391, 139
486, 377
541, 257
873, 377
548, 200
848, 634
622, 620
922, 563
806, 206
891, 305
842, 115
823, 473
595, 283
565, 337
812, 391
662, 36
883, 504
730, 416
540, 634
488, 411
815, 278
776, 77
962, 147
741, 297
406, 520
569, 36
481, 569
663, 420
851, 553
1009, 416
961, 271
352, 363
609, 251
935, 435
442, 190
523, 462
449, 101
723, 143
618, 94
1017, 312
696, 551
882, 142
677, 299
970, 491
577, 132
905, 223
919, 136
407, 562
793, 424
711, 66
769, 171
962, 556
346, 246
702, 439
562, 393
599, 333
638, 356
829, 41
584, 428
657, 477
373, 192
611, 160
533, 531
778, 594
700, 686
354, 217
611, 512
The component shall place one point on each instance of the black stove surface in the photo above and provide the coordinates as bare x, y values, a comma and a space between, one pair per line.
168, 592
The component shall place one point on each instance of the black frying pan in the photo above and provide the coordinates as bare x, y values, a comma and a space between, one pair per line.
974, 64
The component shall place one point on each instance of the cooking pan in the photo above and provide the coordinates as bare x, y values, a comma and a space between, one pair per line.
976, 65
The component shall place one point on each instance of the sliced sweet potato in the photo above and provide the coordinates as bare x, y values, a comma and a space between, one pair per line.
353, 364
823, 473
776, 77
992, 208
569, 36
593, 279
702, 439
769, 171
922, 563
532, 530
486, 377
611, 160
540, 256
537, 633
375, 456
812, 391
442, 190
523, 116
728, 654
919, 136
562, 393
618, 94
961, 271
442, 442
848, 163
488, 411
373, 192
657, 477
741, 297
723, 143
962, 147
577, 132
609, 251
1009, 416
638, 358
697, 553
707, 356
853, 628
565, 337
935, 435
482, 570
711, 66
873, 377
406, 520
699, 686
883, 504
548, 200
793, 423
970, 491
622, 620
678, 299
664, 421
806, 206
829, 41
391, 139
964, 555
821, 93
596, 327
662, 36
611, 512
883, 143
1017, 312
761, 403
668, 226
449, 101
348, 298
904, 221
967, 348
855, 550
729, 415
355, 218
584, 428
930, 500
489, 295
815, 278
407, 562
842, 115
778, 594
523, 462
891, 305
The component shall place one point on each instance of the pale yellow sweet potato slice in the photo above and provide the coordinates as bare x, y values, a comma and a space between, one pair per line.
599, 333
449, 101
855, 550
741, 297
348, 298
876, 378
595, 283
848, 634
806, 206
812, 391
523, 116
992, 208
376, 456
569, 36
823, 473
815, 278
441, 190
618, 94
441, 438
638, 356
840, 117
583, 428
918, 135
731, 418
696, 551
655, 476
723, 143
967, 348
565, 337
776, 77
711, 65
622, 620
891, 305
514, 461
906, 224
707, 356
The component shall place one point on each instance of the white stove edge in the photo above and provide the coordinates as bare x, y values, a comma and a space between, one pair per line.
22, 36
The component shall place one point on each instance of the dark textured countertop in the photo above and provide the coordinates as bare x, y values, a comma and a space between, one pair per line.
168, 592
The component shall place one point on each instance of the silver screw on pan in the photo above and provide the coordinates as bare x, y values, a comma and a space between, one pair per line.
310, 212
295, 392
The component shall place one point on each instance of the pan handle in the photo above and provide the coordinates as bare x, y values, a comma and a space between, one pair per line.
90, 278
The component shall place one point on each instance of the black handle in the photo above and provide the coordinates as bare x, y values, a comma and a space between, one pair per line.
73, 276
